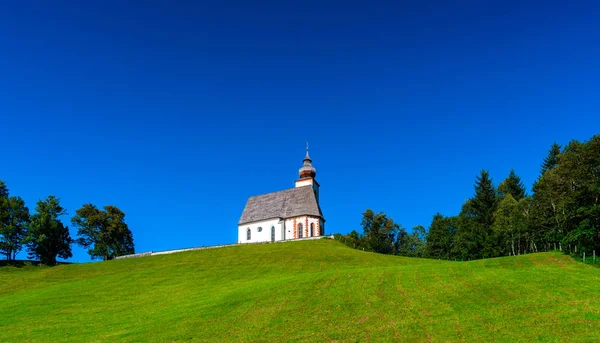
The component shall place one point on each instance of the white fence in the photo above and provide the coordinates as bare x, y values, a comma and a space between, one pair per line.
164, 252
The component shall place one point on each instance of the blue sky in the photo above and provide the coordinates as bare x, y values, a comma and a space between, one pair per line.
177, 113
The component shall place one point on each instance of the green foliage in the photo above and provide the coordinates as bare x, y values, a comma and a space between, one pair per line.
471, 237
413, 244
3, 190
551, 160
14, 224
103, 232
484, 202
381, 234
48, 238
512, 185
441, 236
308, 291
567, 197
14, 221
563, 213
507, 223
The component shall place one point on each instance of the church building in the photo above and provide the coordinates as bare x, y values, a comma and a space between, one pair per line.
289, 214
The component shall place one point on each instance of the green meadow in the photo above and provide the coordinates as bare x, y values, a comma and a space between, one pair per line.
309, 291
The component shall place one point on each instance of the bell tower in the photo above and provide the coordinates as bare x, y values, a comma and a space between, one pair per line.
307, 175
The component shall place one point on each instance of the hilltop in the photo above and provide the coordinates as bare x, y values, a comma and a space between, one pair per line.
302, 291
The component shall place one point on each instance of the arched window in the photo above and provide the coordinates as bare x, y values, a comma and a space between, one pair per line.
248, 234
272, 233
312, 229
300, 230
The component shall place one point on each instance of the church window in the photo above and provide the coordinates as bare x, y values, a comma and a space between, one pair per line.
259, 229
299, 230
272, 233
312, 229
248, 234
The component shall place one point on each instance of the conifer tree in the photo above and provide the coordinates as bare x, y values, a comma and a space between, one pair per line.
484, 202
48, 238
3, 190
551, 160
512, 185
440, 237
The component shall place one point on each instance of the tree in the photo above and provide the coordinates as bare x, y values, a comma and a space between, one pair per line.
380, 233
103, 232
565, 206
3, 190
484, 202
512, 185
48, 238
440, 238
506, 226
551, 160
483, 205
578, 177
413, 244
14, 221
470, 238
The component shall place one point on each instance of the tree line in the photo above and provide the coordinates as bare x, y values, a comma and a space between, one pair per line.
102, 231
562, 213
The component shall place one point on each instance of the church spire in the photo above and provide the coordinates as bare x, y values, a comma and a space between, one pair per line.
307, 157
307, 170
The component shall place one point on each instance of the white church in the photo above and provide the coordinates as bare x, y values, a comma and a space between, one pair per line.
289, 214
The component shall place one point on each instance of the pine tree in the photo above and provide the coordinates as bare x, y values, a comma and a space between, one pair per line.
551, 160
440, 237
484, 202
512, 185
48, 238
3, 190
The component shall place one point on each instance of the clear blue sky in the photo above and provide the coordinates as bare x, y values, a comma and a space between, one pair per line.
178, 113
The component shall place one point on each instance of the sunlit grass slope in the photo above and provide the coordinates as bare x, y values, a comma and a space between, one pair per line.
311, 291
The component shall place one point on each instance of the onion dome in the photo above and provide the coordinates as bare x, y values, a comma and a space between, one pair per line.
307, 170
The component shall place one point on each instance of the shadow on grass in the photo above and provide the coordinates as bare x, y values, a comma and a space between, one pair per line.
24, 263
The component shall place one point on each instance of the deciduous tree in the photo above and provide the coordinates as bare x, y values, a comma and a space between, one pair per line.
13, 226
103, 232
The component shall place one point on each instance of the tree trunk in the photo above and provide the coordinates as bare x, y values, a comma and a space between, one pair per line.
513, 247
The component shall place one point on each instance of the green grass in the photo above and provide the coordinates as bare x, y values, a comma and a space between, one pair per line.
311, 291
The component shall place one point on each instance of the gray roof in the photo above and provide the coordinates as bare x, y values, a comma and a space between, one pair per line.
283, 204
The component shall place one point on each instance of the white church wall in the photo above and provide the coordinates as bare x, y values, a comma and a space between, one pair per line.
264, 235
289, 228
305, 221
316, 222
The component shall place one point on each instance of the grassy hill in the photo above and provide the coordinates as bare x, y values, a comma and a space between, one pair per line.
311, 291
